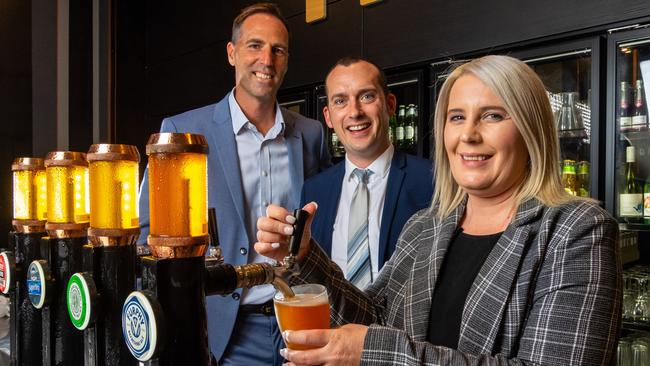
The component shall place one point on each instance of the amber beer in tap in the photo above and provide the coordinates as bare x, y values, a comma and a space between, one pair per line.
308, 309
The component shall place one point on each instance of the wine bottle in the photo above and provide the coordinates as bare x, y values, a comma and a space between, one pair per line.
646, 201
640, 116
631, 197
624, 113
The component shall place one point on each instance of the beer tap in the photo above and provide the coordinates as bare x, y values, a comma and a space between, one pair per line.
224, 278
29, 217
166, 322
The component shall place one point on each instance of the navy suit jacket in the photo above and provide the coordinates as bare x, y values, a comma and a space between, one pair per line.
308, 155
409, 189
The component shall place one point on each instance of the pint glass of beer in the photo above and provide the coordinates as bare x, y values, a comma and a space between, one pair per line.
309, 309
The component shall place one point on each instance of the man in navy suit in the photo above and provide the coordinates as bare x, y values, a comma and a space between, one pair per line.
259, 154
358, 109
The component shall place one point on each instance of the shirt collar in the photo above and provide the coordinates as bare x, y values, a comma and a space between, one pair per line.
239, 119
380, 167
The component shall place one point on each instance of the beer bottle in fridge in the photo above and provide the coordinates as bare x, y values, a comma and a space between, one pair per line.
569, 176
409, 128
583, 179
392, 126
399, 129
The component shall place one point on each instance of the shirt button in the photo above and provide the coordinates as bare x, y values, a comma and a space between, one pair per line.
265, 203
235, 296
243, 251
264, 173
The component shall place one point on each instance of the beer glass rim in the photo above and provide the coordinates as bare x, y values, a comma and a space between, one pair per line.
309, 288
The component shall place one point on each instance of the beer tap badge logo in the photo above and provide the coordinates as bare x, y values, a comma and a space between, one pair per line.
78, 301
139, 326
36, 284
5, 273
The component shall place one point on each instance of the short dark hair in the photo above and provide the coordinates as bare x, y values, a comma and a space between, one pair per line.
258, 8
351, 60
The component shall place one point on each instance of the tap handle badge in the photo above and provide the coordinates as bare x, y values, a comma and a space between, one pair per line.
298, 229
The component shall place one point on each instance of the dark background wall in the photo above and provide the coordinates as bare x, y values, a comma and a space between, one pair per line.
169, 56
181, 59
15, 96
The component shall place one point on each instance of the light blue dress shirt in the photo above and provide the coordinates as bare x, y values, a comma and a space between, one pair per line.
264, 168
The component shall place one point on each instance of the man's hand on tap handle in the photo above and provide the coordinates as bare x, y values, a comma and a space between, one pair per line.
274, 230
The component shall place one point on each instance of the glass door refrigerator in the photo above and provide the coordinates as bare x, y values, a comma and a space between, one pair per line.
628, 143
409, 127
337, 151
628, 177
297, 101
570, 72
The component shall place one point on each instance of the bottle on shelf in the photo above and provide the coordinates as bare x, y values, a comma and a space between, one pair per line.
583, 179
410, 123
399, 129
624, 112
392, 126
336, 147
631, 196
640, 115
417, 122
646, 201
569, 176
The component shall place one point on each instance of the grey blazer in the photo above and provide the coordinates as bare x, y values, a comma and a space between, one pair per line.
549, 292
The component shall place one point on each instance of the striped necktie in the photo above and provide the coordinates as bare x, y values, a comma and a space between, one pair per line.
359, 270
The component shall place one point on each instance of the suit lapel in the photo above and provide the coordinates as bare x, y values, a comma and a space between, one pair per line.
394, 185
293, 138
331, 195
491, 291
425, 274
222, 140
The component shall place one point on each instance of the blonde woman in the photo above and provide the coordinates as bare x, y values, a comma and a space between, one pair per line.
504, 268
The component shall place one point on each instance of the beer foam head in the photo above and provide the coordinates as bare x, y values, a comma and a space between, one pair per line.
305, 295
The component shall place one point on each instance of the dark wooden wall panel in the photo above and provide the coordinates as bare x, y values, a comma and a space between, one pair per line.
403, 32
175, 28
190, 81
315, 47
15, 96
129, 25
81, 77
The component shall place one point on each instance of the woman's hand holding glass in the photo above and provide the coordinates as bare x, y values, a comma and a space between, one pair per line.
341, 346
274, 230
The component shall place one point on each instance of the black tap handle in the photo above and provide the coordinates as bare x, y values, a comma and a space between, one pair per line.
298, 228
212, 227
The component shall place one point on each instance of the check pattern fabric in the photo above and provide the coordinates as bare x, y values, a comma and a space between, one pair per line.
359, 271
549, 292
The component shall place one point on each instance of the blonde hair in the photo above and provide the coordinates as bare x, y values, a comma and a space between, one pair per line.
525, 99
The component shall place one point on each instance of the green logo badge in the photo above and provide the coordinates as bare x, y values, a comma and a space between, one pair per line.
78, 300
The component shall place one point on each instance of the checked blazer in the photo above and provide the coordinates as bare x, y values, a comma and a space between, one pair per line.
549, 292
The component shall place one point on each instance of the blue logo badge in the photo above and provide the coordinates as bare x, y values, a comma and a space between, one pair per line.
36, 284
137, 328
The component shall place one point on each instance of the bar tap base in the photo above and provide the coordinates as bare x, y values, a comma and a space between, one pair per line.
113, 271
177, 284
25, 321
62, 342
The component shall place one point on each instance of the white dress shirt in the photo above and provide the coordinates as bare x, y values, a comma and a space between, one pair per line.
377, 182
264, 169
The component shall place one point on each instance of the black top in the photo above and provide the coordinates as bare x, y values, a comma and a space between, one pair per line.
463, 260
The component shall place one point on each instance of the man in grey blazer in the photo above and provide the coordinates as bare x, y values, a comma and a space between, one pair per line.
259, 154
